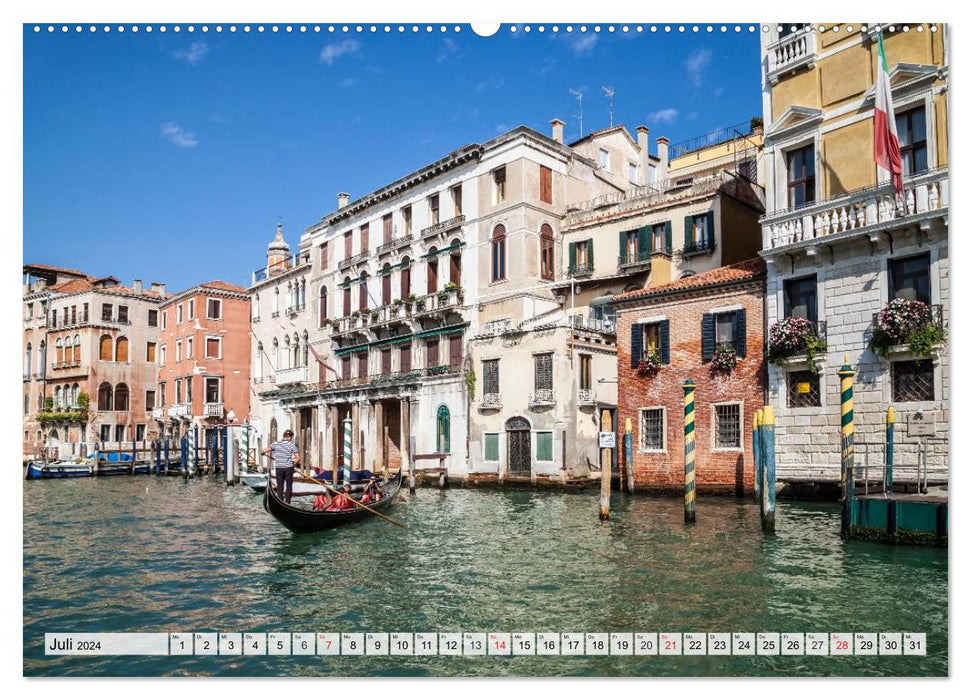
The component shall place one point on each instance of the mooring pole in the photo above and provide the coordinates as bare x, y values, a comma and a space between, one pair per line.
229, 458
606, 460
629, 454
757, 453
244, 449
192, 451
847, 465
166, 454
888, 477
767, 428
689, 451
348, 452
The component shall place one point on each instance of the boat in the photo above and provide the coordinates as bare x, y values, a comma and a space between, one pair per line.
307, 487
299, 519
57, 470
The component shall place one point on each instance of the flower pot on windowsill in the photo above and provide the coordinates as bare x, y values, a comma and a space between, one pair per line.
803, 361
902, 351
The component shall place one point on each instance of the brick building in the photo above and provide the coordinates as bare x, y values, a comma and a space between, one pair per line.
683, 325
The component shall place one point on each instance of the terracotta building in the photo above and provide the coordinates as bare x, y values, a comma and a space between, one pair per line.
681, 330
203, 358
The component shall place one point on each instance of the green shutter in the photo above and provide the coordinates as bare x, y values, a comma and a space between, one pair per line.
544, 447
491, 447
644, 240
590, 254
667, 236
688, 238
711, 228
573, 257
622, 242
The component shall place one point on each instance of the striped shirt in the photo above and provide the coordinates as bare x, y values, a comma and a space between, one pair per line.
283, 452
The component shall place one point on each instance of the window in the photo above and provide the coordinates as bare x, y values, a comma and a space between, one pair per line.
385, 360
150, 352
433, 213
323, 255
728, 426
455, 265
652, 430
105, 395
404, 358
721, 329
543, 372
912, 135
700, 235
431, 273
802, 389
499, 185
581, 257
800, 297
213, 390
149, 400
406, 220
178, 314
647, 338
26, 405
490, 376
652, 174
165, 320
178, 350
161, 393
405, 278
630, 245
490, 443
214, 308
122, 314
84, 318
386, 228
545, 184
365, 238
362, 365
499, 253
178, 390
431, 353
913, 380
801, 174
586, 378
605, 159
455, 351
910, 278
346, 367
105, 313
189, 353
105, 432
161, 355
632, 172
120, 433
214, 347
544, 446
443, 430
140, 432
362, 293
660, 236
153, 318
322, 308
188, 389
457, 200
192, 309
104, 349
348, 244
547, 252
724, 329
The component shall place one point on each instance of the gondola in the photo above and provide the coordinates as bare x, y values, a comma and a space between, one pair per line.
305, 520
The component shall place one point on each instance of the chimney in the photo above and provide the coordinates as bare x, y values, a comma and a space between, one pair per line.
662, 154
557, 129
138, 288
158, 288
643, 134
342, 199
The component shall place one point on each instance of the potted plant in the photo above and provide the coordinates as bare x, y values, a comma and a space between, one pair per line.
649, 365
724, 359
906, 322
419, 303
443, 296
795, 336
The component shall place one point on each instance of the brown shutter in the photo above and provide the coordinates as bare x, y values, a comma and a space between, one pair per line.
545, 184
365, 235
455, 351
405, 364
387, 228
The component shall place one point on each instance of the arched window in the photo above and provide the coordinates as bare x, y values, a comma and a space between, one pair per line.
306, 349
59, 349
75, 393
405, 278
27, 360
276, 300
272, 430
121, 349
347, 296
322, 310
362, 302
104, 348
443, 430
455, 264
546, 252
121, 397
499, 253
77, 348
58, 397
432, 271
286, 353
296, 350
258, 365
68, 402
104, 397
275, 357
42, 364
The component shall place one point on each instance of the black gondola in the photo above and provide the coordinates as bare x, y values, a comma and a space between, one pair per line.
305, 520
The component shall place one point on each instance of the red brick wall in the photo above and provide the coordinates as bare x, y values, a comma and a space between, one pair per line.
715, 471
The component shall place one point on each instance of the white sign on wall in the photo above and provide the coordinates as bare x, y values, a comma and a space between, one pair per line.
608, 441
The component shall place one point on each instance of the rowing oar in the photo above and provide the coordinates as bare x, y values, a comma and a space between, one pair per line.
327, 486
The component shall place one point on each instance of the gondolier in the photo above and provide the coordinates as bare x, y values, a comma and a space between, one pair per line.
285, 457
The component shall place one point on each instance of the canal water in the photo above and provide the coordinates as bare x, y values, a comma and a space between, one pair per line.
154, 554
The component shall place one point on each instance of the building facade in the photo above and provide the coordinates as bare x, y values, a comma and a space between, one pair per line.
842, 247
203, 357
89, 374
708, 328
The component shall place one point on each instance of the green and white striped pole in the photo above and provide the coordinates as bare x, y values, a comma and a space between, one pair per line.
846, 375
689, 451
767, 429
757, 452
888, 479
347, 453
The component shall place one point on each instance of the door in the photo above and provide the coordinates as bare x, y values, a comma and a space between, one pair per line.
519, 449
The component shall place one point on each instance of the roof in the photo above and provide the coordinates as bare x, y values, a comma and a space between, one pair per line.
54, 268
225, 287
90, 283
601, 132
744, 271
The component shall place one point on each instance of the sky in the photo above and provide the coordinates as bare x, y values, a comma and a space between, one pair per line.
171, 157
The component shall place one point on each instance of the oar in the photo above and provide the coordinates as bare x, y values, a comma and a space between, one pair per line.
327, 486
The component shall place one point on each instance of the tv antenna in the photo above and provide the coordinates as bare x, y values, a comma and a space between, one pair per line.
578, 94
609, 92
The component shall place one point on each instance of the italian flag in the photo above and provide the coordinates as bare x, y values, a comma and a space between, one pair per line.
886, 146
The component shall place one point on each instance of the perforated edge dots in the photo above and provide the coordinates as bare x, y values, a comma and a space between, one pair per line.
513, 29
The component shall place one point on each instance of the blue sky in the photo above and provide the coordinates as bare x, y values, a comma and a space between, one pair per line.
170, 157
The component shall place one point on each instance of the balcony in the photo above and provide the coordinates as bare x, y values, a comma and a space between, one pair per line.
294, 375
443, 226
698, 248
542, 397
864, 212
791, 53
264, 273
580, 270
67, 365
378, 380
801, 357
637, 259
158, 413
395, 244
180, 410
353, 260
437, 302
295, 309
586, 397
213, 410
491, 401
589, 323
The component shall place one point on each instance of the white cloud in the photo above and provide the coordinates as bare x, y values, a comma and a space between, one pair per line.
347, 83
663, 116
494, 84
719, 92
695, 64
194, 54
582, 44
546, 66
332, 52
449, 48
175, 134
501, 128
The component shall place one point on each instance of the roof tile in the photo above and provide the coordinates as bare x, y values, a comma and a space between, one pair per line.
751, 269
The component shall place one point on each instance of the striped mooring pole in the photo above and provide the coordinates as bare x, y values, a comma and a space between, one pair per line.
767, 449
888, 479
689, 451
347, 453
244, 450
846, 375
757, 453
192, 450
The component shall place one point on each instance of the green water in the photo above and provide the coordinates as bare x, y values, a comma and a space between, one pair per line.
147, 554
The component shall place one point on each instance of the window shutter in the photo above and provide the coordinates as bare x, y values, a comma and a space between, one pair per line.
707, 337
622, 243
665, 341
738, 333
636, 343
667, 236
573, 256
589, 254
688, 237
711, 227
643, 239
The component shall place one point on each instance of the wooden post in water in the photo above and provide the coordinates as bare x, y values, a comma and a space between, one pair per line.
348, 451
888, 477
757, 453
629, 453
767, 429
97, 459
606, 459
847, 461
689, 451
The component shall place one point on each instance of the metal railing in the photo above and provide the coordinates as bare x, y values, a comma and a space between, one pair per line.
542, 397
586, 397
443, 226
640, 257
395, 243
491, 401
712, 138
695, 248
353, 260
580, 269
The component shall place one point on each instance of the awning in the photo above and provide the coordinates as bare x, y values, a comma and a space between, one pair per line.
602, 301
440, 331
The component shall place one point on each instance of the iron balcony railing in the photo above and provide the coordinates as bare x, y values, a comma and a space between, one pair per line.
353, 260
443, 226
586, 397
395, 244
213, 410
403, 376
634, 259
698, 247
712, 138
580, 270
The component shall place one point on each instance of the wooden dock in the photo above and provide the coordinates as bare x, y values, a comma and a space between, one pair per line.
906, 518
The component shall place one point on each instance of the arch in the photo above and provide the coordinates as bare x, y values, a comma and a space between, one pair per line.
105, 348
362, 301
518, 423
105, 396
59, 350
27, 361
274, 359
272, 430
121, 349
77, 348
518, 446
443, 429
547, 252
53, 439
499, 253
121, 397
58, 397
67, 396
69, 349
75, 393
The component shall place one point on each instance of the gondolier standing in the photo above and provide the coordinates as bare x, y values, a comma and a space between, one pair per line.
285, 457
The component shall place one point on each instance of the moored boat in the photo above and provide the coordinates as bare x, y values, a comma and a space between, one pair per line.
57, 470
298, 519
